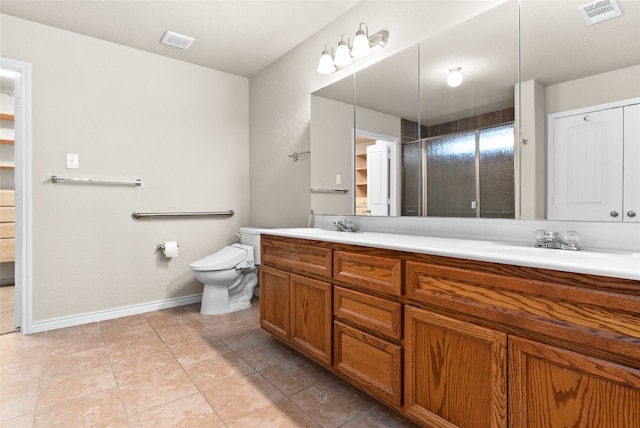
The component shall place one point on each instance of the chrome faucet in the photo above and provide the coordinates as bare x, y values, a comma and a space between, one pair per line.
344, 226
546, 239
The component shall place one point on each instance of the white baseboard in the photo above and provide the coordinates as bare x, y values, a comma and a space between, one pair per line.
108, 314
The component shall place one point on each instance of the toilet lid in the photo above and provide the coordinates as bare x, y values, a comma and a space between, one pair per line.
226, 258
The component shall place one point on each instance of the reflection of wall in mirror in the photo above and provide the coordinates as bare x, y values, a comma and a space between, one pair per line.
331, 136
332, 149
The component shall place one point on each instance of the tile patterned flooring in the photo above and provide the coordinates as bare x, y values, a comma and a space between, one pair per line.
173, 368
7, 309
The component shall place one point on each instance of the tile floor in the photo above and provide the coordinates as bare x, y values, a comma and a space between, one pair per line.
173, 368
7, 309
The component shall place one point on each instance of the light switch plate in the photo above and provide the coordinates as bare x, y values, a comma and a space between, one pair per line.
73, 161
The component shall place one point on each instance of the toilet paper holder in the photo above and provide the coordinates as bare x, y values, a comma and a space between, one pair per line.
160, 247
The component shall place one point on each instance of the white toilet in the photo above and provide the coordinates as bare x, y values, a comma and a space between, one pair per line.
230, 275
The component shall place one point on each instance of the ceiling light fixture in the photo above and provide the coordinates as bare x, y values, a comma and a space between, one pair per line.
455, 77
345, 55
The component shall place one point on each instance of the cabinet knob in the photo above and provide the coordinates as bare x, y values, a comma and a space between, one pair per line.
614, 213
631, 213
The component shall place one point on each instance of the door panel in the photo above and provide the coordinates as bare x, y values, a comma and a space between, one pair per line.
631, 203
586, 167
552, 387
378, 178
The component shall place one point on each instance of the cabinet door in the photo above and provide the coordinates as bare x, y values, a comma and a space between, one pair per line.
373, 363
631, 201
311, 322
455, 372
586, 168
274, 302
552, 387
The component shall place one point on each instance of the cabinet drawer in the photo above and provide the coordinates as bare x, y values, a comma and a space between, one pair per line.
382, 274
371, 313
600, 323
372, 363
296, 257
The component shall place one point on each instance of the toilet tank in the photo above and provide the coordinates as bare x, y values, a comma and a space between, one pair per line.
251, 236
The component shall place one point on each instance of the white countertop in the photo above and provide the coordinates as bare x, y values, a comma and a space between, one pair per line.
613, 264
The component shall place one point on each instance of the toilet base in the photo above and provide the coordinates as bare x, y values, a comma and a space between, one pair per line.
222, 299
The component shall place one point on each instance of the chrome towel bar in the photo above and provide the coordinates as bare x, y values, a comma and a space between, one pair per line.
321, 190
140, 216
56, 179
296, 155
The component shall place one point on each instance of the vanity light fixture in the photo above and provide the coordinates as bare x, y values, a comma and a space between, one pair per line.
345, 55
454, 79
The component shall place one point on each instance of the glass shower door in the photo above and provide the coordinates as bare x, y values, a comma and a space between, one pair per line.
451, 176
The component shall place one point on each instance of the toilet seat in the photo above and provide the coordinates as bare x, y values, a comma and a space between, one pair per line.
226, 258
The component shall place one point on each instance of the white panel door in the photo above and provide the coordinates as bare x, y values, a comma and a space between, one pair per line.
587, 167
378, 178
631, 201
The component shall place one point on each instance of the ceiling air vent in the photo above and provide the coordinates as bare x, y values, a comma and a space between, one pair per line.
176, 40
600, 11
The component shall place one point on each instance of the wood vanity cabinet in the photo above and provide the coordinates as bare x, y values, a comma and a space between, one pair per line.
460, 343
296, 296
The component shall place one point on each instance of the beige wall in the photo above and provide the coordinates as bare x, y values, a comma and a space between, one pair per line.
332, 149
593, 90
280, 98
331, 154
181, 128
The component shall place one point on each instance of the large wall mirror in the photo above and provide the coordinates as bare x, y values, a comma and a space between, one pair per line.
396, 139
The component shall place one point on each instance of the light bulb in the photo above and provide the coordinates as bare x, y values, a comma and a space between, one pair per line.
343, 56
361, 46
325, 66
455, 77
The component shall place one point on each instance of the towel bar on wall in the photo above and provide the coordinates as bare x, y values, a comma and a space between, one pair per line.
296, 155
321, 190
140, 216
56, 179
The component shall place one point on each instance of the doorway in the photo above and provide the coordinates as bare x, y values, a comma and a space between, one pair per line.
376, 174
8, 322
15, 195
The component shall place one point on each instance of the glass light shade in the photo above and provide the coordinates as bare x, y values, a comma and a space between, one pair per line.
343, 56
455, 77
361, 45
325, 66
